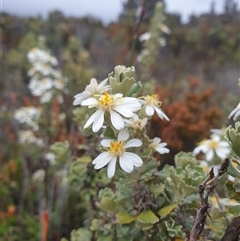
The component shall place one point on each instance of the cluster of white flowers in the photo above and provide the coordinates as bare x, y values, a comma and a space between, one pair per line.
45, 81
121, 113
28, 116
214, 145
28, 137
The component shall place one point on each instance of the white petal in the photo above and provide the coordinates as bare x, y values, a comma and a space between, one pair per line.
123, 111
123, 135
197, 150
125, 163
92, 118
149, 110
209, 155
105, 143
80, 98
102, 84
135, 117
93, 82
90, 101
163, 144
101, 160
133, 143
161, 114
222, 152
235, 111
162, 150
131, 103
156, 140
117, 120
98, 122
111, 167
216, 138
135, 159
223, 144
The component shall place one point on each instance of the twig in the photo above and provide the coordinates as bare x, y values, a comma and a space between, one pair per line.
202, 212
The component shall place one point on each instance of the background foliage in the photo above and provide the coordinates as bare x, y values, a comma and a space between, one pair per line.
194, 75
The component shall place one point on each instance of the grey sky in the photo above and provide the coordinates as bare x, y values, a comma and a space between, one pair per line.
107, 10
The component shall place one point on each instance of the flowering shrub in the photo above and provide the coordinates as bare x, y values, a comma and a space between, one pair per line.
45, 82
142, 202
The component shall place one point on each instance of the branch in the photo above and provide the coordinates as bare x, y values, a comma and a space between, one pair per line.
202, 212
233, 231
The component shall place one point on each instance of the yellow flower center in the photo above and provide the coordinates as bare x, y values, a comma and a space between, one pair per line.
116, 148
213, 144
153, 100
106, 101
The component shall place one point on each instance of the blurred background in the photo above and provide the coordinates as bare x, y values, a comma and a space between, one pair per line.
186, 51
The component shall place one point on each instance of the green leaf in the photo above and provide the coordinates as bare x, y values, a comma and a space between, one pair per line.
122, 87
84, 159
104, 237
122, 231
109, 133
235, 210
156, 190
233, 137
147, 217
106, 205
149, 166
61, 151
124, 218
183, 159
166, 210
135, 89
78, 168
230, 190
178, 185
143, 226
233, 170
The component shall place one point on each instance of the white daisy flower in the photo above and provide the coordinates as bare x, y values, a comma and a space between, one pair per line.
211, 146
116, 105
235, 113
91, 90
159, 147
151, 104
136, 123
116, 151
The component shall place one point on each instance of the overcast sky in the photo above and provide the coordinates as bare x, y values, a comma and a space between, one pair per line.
106, 10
